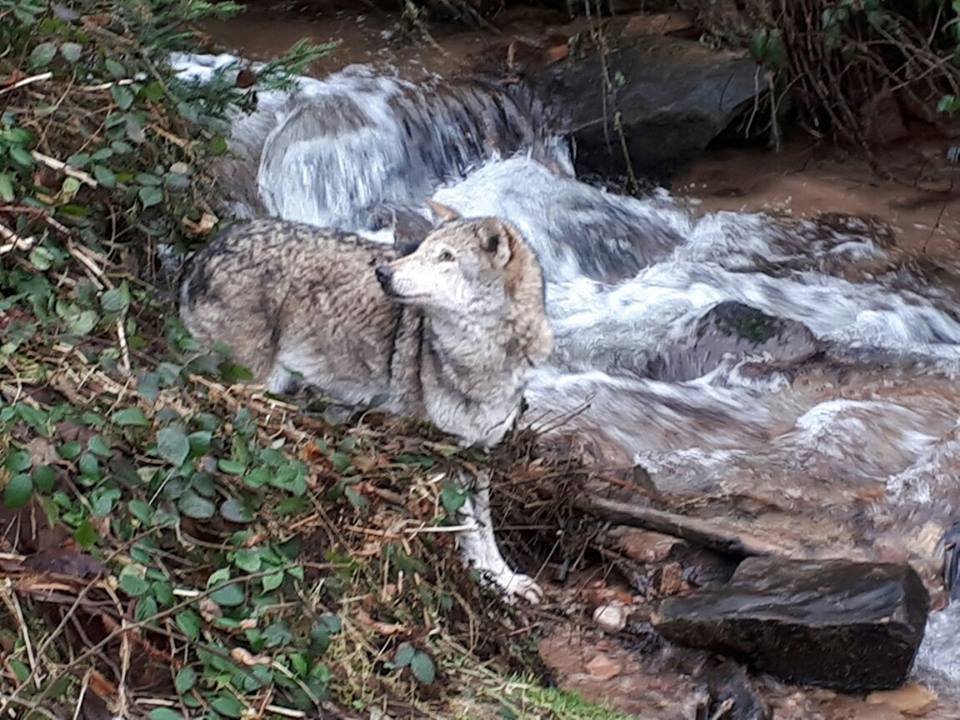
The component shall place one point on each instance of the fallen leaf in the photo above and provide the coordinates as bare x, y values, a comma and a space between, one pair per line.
246, 78
557, 53
203, 226
101, 686
657, 24
366, 463
381, 628
245, 657
209, 610
64, 562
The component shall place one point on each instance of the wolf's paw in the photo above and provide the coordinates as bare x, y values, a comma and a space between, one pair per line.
518, 585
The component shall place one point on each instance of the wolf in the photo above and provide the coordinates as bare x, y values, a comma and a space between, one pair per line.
447, 332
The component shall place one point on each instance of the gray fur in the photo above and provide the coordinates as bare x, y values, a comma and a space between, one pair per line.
447, 333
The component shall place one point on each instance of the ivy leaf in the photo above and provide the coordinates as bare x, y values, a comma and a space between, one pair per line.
247, 560
164, 714
185, 680
18, 461
99, 446
235, 511
272, 581
949, 104
20, 156
141, 510
452, 498
115, 68
122, 96
150, 196
228, 706
423, 668
230, 595
6, 188
231, 467
130, 416
189, 623
404, 655
196, 507
173, 445
43, 55
104, 176
83, 322
768, 49
132, 581
44, 478
153, 91
85, 535
71, 52
116, 299
18, 491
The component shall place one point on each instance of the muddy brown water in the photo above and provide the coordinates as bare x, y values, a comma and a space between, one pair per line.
820, 502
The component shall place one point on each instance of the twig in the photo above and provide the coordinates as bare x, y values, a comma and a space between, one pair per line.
61, 166
13, 604
168, 136
105, 86
83, 692
16, 242
716, 537
27, 81
100, 279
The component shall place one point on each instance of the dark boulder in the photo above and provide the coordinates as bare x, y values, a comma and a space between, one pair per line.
733, 329
833, 623
669, 96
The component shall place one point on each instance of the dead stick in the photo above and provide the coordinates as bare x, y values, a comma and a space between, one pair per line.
715, 537
61, 166
26, 81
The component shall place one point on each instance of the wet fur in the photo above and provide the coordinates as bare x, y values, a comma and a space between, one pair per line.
452, 342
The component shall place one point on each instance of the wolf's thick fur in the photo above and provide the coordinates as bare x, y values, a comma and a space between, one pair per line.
447, 333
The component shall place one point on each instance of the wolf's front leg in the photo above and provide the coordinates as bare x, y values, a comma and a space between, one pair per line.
478, 546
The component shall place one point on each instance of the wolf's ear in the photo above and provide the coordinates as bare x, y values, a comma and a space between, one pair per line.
443, 213
496, 239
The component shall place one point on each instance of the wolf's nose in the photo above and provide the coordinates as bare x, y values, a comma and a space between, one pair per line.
384, 273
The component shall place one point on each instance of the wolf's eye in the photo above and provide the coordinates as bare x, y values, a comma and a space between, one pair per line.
445, 256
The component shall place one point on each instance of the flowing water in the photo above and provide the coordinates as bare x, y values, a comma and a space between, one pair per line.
806, 365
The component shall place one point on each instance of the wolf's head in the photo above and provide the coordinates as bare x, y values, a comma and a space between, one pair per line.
475, 269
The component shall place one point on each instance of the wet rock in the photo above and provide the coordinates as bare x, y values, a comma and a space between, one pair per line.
657, 24
729, 686
610, 618
951, 561
643, 546
671, 579
671, 98
883, 120
409, 227
834, 623
702, 566
732, 328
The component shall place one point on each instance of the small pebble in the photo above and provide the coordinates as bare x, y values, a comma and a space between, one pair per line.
611, 618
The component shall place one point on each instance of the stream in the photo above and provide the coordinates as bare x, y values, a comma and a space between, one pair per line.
836, 431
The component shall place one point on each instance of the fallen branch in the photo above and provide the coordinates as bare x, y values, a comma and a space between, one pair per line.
15, 241
710, 535
61, 166
26, 81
